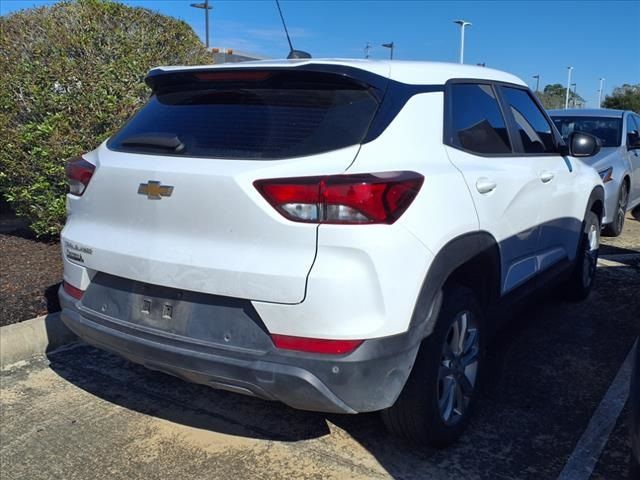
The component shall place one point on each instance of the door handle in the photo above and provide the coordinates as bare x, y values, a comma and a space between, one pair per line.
485, 185
546, 177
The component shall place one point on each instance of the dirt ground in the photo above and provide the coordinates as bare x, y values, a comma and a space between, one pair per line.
30, 274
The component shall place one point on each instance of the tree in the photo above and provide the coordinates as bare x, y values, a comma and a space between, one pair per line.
553, 97
71, 74
626, 97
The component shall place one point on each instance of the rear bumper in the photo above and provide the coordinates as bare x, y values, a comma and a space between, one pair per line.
368, 379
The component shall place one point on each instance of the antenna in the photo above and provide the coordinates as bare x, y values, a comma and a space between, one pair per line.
292, 53
284, 25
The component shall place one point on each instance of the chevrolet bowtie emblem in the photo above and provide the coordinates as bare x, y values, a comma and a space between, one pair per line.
154, 191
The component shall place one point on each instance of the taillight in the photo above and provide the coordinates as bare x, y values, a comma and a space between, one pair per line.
343, 199
79, 173
73, 291
315, 345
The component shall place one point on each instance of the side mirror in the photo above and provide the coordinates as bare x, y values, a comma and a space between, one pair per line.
583, 144
635, 145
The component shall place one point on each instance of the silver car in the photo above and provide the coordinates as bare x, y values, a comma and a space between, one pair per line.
618, 162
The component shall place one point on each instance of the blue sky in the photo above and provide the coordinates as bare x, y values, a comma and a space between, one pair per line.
598, 38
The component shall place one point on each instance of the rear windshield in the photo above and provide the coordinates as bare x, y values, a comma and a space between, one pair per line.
609, 130
259, 117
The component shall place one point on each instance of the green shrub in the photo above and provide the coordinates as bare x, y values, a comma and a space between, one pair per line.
70, 75
626, 97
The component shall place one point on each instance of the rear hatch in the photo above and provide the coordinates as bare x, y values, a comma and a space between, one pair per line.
172, 200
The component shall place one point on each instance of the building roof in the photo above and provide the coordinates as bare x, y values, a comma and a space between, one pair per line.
411, 72
587, 112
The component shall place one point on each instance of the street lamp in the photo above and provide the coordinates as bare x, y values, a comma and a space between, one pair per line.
462, 24
537, 77
206, 7
566, 99
390, 46
600, 93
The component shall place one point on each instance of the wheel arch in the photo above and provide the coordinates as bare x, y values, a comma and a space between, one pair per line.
596, 202
471, 260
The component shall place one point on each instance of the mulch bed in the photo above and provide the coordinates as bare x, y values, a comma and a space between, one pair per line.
30, 274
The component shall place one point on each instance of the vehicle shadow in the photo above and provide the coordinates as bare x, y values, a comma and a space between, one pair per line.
533, 408
157, 394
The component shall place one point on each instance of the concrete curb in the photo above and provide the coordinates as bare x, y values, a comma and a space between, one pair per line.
30, 338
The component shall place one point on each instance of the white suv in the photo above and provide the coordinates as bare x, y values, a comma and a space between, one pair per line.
337, 235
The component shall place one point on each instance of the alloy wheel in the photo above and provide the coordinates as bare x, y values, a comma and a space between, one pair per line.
457, 374
623, 198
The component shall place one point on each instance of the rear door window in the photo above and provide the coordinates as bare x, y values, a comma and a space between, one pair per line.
533, 128
265, 116
477, 124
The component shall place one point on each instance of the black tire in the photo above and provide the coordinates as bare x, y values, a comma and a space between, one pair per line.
614, 228
579, 285
416, 415
635, 213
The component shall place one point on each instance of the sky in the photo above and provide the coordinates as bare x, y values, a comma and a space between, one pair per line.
600, 39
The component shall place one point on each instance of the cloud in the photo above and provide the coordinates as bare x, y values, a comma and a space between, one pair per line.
237, 43
277, 33
262, 41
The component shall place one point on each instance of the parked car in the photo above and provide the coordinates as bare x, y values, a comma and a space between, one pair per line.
336, 235
618, 162
634, 402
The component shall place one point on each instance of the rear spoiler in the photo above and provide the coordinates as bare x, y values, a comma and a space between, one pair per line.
319, 75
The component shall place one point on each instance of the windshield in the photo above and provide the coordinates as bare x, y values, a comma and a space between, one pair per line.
609, 130
259, 116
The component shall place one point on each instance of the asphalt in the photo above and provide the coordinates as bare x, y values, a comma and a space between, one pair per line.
81, 413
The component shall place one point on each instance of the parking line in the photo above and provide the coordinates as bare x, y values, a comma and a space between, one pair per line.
588, 449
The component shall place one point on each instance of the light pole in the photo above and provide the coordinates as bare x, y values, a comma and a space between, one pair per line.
206, 7
600, 93
462, 24
566, 99
367, 50
537, 77
390, 46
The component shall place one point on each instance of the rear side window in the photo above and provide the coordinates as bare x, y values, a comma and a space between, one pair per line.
477, 123
263, 116
534, 129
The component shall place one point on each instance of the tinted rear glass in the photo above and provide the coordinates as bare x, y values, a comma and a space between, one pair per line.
609, 130
478, 125
534, 130
270, 118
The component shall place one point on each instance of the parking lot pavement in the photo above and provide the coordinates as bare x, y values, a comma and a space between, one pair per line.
85, 414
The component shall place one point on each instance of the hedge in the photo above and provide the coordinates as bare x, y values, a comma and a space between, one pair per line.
71, 74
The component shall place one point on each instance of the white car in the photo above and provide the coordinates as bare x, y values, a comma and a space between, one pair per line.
338, 235
618, 162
